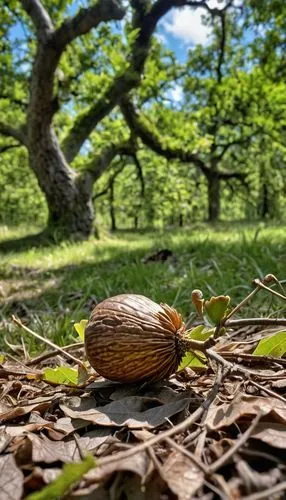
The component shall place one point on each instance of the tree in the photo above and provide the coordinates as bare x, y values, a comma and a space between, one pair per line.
49, 36
229, 103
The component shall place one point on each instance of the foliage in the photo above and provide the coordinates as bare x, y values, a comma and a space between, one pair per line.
272, 346
230, 115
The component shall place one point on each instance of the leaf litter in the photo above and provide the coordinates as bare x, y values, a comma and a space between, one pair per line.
211, 431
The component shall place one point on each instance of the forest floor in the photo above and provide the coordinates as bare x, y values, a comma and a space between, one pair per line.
213, 432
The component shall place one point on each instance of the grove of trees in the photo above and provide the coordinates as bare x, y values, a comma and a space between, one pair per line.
89, 126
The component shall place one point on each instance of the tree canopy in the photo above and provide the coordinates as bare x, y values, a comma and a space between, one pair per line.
97, 110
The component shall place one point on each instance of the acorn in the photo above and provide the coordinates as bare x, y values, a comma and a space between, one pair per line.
130, 338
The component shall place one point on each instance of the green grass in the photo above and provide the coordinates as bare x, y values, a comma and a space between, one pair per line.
55, 285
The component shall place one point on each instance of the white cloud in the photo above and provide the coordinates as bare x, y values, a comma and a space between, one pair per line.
176, 93
186, 24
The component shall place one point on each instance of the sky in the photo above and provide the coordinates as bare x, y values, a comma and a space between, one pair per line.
179, 30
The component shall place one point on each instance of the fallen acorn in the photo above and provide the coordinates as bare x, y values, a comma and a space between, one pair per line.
130, 338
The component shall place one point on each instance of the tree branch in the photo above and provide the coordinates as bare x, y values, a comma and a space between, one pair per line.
39, 17
7, 147
100, 163
17, 133
86, 19
151, 140
145, 21
110, 182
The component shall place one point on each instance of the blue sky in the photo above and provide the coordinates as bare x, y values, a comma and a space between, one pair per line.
179, 30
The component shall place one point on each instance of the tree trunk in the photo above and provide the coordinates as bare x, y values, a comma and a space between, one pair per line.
68, 198
112, 208
68, 194
213, 197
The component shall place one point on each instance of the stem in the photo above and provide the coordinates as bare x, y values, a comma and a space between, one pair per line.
255, 321
51, 344
260, 284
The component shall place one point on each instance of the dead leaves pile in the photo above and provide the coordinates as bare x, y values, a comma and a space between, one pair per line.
43, 427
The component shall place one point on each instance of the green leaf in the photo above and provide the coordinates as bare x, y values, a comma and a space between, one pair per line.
200, 332
272, 346
216, 308
61, 375
190, 359
80, 328
70, 476
2, 358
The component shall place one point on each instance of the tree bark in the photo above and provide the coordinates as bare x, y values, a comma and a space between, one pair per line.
112, 208
213, 197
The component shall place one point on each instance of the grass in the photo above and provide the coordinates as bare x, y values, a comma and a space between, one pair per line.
52, 286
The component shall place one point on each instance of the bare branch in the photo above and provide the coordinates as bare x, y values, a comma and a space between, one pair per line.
86, 19
39, 16
17, 133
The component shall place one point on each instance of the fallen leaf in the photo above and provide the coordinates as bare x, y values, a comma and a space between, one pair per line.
11, 479
61, 375
70, 476
182, 476
20, 430
132, 412
139, 464
245, 406
48, 451
272, 346
271, 433
67, 425
40, 404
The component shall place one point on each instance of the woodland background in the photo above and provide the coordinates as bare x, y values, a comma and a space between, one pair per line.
109, 114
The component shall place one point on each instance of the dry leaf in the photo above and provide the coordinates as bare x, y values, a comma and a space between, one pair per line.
271, 433
138, 463
245, 406
40, 404
11, 479
133, 412
182, 476
48, 451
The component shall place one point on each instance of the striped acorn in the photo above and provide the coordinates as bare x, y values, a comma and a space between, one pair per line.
130, 338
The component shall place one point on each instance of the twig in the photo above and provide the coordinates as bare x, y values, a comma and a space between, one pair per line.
50, 354
255, 321
155, 460
191, 437
239, 443
51, 344
236, 356
241, 304
181, 427
19, 362
198, 463
268, 391
267, 493
260, 284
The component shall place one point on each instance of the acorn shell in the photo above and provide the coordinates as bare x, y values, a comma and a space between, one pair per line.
130, 338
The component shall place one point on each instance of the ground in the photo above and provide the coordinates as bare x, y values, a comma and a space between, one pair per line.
207, 412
